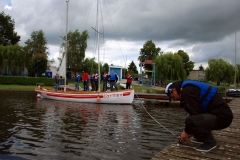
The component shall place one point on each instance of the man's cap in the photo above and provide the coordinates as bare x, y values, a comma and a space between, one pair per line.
169, 90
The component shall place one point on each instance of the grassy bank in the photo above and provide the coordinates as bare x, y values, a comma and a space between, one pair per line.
16, 87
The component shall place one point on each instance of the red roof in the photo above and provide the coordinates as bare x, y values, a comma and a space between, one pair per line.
148, 62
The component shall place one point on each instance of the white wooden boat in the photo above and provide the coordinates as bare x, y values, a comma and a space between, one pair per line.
111, 97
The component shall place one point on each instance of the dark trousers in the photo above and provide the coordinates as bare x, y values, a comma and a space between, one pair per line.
128, 85
88, 85
113, 84
93, 85
96, 86
201, 125
104, 85
84, 85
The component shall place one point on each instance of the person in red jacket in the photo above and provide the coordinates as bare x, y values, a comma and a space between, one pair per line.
129, 80
84, 79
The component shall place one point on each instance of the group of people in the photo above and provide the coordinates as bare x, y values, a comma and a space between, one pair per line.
112, 78
85, 79
92, 78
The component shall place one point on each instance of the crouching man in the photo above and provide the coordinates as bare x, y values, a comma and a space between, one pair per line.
207, 111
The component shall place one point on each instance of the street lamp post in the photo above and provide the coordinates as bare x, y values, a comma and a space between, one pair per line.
37, 68
83, 67
133, 76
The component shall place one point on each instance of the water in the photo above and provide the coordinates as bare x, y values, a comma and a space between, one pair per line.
48, 129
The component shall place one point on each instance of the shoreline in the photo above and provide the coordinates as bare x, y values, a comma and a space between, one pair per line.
17, 90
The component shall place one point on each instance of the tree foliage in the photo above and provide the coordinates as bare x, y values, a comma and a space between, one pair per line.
37, 43
149, 51
105, 67
132, 68
34, 49
77, 45
238, 73
11, 59
38, 64
188, 65
201, 68
7, 34
124, 72
170, 66
90, 65
219, 70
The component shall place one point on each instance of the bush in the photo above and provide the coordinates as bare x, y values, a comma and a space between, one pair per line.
28, 80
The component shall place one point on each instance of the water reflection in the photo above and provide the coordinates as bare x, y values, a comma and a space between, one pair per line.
48, 129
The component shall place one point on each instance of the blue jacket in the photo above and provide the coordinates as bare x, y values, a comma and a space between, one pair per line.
207, 92
78, 78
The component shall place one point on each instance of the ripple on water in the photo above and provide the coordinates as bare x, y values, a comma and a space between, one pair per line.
47, 129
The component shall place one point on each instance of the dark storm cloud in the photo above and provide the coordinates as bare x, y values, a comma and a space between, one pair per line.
204, 29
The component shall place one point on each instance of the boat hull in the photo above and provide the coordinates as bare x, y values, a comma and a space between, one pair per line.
233, 93
114, 97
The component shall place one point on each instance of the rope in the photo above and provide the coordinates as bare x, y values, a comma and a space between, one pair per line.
177, 136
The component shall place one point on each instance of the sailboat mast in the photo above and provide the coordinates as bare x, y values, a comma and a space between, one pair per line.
66, 50
235, 77
98, 46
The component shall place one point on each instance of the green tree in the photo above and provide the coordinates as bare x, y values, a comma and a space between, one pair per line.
11, 59
201, 68
219, 70
149, 51
77, 45
38, 64
7, 34
169, 66
105, 67
132, 68
188, 65
37, 43
238, 73
124, 72
90, 65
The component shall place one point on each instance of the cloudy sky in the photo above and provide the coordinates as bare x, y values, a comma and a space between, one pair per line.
204, 29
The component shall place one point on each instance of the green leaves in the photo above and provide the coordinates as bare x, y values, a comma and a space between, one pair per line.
169, 66
219, 70
149, 51
77, 45
132, 68
37, 43
38, 64
7, 34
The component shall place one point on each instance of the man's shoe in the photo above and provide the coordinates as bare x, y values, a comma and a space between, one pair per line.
206, 147
194, 140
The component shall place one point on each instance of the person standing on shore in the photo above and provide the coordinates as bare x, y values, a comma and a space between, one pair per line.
84, 79
105, 79
56, 81
129, 81
113, 78
96, 82
93, 82
88, 81
77, 81
207, 111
